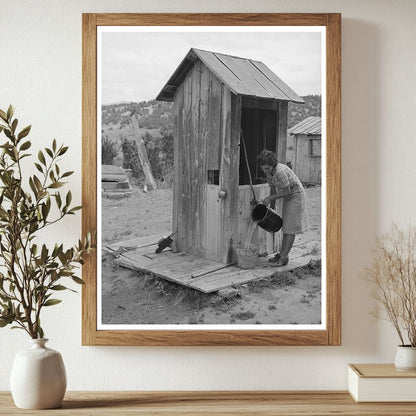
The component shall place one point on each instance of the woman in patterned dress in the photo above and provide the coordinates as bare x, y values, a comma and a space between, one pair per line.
286, 185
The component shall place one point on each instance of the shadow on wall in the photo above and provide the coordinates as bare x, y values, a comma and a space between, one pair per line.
360, 180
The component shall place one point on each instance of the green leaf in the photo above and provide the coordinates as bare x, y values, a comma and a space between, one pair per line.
67, 174
34, 249
68, 199
62, 257
5, 321
41, 157
25, 145
56, 185
59, 287
3, 115
51, 302
78, 280
77, 208
45, 211
40, 332
8, 133
63, 151
58, 199
54, 145
24, 132
33, 187
10, 112
55, 251
14, 125
49, 152
37, 183
39, 167
44, 253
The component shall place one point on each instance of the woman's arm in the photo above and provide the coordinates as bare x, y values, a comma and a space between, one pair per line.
282, 193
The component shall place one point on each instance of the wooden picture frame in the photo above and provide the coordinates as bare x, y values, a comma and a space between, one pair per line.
331, 335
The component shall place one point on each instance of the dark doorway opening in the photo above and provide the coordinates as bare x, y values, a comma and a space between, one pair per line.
259, 131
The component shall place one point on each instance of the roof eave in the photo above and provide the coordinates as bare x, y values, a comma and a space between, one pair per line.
166, 94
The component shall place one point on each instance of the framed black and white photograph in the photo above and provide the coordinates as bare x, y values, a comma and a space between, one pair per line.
212, 176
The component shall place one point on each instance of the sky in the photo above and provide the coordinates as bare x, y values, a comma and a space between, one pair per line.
134, 66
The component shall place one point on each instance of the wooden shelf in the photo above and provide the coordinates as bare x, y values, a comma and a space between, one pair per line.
317, 403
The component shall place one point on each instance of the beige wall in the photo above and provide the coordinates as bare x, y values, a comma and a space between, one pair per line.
40, 74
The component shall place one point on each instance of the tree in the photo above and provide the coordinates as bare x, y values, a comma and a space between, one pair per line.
109, 151
131, 157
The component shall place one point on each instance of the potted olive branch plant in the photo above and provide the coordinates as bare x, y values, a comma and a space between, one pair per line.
31, 272
393, 278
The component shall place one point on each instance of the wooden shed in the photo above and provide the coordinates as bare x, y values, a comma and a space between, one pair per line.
220, 100
305, 143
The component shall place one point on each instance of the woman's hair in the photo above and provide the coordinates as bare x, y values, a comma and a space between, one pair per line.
266, 157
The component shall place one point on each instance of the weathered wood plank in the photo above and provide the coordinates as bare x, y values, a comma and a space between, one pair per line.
224, 173
203, 156
142, 153
214, 123
267, 242
281, 137
231, 125
180, 267
244, 216
138, 241
193, 230
232, 197
212, 222
187, 162
235, 276
177, 166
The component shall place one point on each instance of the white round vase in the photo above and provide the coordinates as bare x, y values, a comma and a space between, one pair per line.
405, 358
38, 378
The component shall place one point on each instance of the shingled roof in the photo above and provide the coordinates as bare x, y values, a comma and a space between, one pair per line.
310, 126
242, 76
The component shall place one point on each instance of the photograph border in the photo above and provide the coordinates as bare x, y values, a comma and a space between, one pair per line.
329, 336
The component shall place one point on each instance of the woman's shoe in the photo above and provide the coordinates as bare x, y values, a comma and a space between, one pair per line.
281, 262
275, 258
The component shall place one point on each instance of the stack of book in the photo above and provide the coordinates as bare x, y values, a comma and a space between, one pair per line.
381, 383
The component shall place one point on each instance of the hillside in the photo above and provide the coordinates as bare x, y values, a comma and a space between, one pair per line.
156, 128
298, 112
155, 115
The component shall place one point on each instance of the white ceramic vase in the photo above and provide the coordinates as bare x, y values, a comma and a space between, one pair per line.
405, 358
38, 378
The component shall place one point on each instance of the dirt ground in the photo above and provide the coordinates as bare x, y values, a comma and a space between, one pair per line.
130, 297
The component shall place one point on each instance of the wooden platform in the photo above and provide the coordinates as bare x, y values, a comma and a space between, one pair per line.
195, 272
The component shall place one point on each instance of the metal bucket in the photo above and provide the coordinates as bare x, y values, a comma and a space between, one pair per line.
267, 218
248, 258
